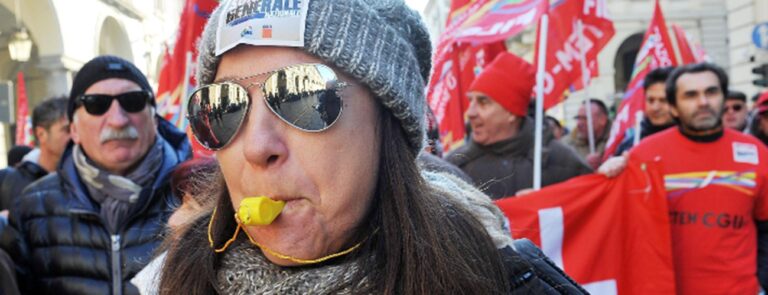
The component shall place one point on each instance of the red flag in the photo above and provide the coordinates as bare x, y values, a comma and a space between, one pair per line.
611, 235
690, 52
497, 20
24, 135
177, 72
656, 51
474, 35
563, 60
457, 7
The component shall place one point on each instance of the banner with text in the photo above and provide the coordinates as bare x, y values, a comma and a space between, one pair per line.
564, 48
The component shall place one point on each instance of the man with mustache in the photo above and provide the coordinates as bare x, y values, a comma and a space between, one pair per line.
90, 227
717, 188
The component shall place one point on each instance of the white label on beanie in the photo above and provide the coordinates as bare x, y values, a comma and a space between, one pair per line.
261, 23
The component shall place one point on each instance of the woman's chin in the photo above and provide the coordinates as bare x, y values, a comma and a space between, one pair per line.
293, 233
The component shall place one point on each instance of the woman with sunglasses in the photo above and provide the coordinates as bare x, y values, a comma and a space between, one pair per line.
318, 190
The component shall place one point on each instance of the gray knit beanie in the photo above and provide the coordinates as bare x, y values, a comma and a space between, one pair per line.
382, 43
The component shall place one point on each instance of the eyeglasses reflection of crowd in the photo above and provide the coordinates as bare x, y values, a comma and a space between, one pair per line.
111, 202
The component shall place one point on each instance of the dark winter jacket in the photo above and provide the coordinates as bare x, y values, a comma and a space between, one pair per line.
61, 244
646, 129
15, 179
506, 167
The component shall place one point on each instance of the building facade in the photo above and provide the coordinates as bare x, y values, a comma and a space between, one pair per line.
723, 28
67, 33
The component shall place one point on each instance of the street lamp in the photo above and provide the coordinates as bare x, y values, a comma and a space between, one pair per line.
20, 46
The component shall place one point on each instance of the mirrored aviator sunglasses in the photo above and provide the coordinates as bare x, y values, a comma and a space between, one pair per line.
98, 104
305, 96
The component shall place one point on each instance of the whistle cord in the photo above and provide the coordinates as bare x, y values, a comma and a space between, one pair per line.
272, 252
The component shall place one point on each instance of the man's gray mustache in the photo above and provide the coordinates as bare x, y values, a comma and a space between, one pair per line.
108, 134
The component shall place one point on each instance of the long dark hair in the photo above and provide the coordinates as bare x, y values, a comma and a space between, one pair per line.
425, 244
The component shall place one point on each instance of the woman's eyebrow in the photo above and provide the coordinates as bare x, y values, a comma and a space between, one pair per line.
224, 79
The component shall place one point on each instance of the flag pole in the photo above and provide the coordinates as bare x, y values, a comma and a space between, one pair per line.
638, 128
540, 72
585, 75
181, 123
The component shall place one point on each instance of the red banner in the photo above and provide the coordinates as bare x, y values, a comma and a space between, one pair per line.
177, 72
497, 20
690, 52
24, 135
563, 57
474, 35
656, 51
611, 235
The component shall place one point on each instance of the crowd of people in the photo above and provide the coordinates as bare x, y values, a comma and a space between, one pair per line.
111, 201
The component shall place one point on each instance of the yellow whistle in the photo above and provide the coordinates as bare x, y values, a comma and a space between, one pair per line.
259, 210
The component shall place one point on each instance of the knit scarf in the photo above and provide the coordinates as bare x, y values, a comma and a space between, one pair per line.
245, 270
118, 194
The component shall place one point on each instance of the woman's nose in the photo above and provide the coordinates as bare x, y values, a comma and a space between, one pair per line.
264, 137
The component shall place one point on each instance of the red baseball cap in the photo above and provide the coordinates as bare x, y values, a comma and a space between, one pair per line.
762, 103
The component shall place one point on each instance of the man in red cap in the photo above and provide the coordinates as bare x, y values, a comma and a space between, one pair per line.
759, 126
499, 157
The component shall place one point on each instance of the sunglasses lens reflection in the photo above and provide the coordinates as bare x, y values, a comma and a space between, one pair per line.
303, 96
216, 112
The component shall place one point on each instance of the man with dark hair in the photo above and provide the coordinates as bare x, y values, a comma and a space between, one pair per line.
657, 114
499, 157
717, 188
92, 225
51, 127
735, 111
601, 126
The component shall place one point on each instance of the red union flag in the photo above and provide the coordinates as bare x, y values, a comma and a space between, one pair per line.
610, 235
176, 74
563, 57
656, 51
474, 36
690, 52
497, 20
24, 132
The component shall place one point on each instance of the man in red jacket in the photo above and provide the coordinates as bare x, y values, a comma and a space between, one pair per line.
717, 188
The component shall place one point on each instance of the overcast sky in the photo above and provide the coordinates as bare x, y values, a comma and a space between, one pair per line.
417, 4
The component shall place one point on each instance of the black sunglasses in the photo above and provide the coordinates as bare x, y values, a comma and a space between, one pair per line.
305, 96
735, 108
98, 104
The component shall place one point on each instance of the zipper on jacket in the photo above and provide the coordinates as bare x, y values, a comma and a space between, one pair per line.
117, 280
